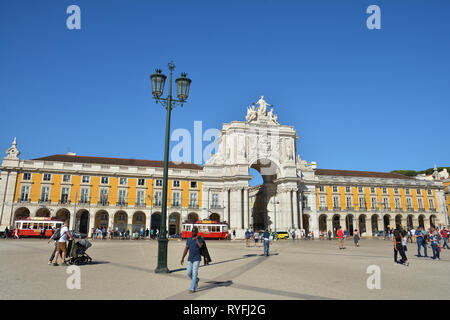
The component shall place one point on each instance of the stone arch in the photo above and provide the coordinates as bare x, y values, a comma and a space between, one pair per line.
192, 216
336, 222
362, 224
120, 221
82, 221
305, 218
174, 223
433, 221
409, 221
214, 217
101, 219
42, 212
398, 220
155, 221
386, 221
138, 222
63, 214
349, 223
422, 221
21, 213
323, 222
374, 222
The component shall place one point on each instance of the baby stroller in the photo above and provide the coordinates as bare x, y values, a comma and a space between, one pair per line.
77, 252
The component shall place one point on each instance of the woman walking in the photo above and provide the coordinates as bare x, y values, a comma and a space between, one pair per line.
356, 237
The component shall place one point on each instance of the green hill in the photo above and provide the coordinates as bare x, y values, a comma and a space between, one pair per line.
412, 173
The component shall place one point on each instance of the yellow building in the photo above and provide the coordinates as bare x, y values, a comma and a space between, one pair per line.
123, 194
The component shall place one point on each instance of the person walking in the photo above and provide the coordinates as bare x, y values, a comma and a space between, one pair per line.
356, 237
420, 240
398, 246
193, 246
444, 235
413, 233
340, 235
256, 238
329, 234
434, 244
293, 235
55, 237
247, 238
409, 236
42, 235
234, 234
266, 239
61, 245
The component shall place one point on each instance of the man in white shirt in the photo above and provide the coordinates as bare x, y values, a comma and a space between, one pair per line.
61, 244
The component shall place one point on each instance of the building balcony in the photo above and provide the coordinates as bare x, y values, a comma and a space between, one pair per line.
176, 205
157, 204
323, 208
216, 206
121, 204
24, 200
44, 201
64, 201
421, 209
349, 209
432, 209
336, 209
140, 205
103, 203
306, 208
83, 203
193, 206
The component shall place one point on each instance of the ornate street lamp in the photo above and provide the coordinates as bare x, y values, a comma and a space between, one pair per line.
183, 83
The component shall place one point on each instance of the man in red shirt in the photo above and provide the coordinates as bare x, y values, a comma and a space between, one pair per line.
444, 234
340, 235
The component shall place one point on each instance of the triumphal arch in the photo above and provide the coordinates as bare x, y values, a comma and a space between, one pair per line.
262, 143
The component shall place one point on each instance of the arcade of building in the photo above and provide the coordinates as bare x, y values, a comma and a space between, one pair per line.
295, 194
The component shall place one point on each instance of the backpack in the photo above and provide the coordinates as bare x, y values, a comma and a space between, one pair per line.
57, 234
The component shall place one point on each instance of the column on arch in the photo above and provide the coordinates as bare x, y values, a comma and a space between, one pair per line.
295, 206
235, 209
246, 211
368, 226
226, 202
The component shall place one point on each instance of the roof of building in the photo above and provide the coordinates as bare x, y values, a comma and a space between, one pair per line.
362, 174
119, 161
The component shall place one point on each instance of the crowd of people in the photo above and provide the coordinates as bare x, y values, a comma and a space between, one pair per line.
101, 233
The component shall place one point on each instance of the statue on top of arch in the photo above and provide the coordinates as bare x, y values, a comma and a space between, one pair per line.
261, 113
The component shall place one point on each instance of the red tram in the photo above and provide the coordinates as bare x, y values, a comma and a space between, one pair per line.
32, 226
206, 228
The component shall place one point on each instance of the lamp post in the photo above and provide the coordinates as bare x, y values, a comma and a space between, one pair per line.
183, 83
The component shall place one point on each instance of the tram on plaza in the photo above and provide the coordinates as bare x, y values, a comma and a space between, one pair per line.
208, 229
32, 226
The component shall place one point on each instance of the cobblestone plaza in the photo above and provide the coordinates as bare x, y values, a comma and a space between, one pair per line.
312, 269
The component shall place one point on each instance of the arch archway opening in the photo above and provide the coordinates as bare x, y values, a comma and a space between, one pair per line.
374, 220
101, 219
263, 201
82, 222
21, 213
336, 224
322, 222
214, 217
120, 221
43, 212
155, 222
139, 221
174, 224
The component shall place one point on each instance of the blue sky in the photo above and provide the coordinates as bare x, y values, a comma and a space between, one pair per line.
360, 99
